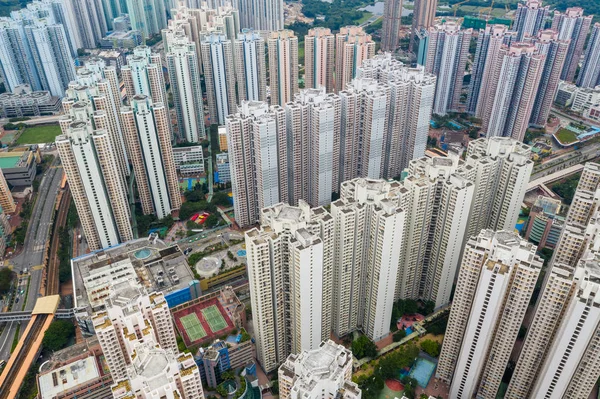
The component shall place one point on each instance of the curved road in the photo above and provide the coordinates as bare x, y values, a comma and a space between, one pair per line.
32, 252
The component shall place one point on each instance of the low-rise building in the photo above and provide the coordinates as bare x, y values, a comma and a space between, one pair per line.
235, 352
321, 373
546, 221
78, 371
223, 167
120, 39
25, 102
189, 160
19, 168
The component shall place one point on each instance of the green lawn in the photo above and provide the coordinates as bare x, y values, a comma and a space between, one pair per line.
496, 12
566, 136
365, 17
39, 134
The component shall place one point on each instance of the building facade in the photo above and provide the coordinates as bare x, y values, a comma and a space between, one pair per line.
352, 47
484, 320
447, 52
283, 66
319, 59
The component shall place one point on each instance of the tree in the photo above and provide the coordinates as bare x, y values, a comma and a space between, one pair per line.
58, 335
275, 387
221, 198
364, 347
6, 277
428, 307
410, 385
432, 348
399, 335
212, 220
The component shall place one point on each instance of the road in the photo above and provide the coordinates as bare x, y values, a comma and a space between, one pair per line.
32, 253
566, 160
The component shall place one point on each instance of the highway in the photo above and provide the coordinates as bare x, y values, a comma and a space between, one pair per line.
32, 253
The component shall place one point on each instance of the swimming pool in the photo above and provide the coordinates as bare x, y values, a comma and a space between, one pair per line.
143, 253
241, 252
422, 371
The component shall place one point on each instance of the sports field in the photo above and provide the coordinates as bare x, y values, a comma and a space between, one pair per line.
202, 321
192, 326
39, 134
214, 318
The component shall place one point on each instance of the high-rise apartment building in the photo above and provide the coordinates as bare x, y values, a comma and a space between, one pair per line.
582, 213
283, 66
392, 21
500, 168
589, 76
365, 112
489, 43
324, 372
319, 59
352, 47
7, 202
138, 341
558, 291
571, 364
147, 16
184, 75
573, 26
92, 170
257, 142
368, 237
146, 128
15, 57
484, 320
530, 18
313, 152
290, 275
514, 83
98, 84
251, 68
423, 19
219, 75
447, 52
143, 74
437, 202
555, 52
411, 100
263, 15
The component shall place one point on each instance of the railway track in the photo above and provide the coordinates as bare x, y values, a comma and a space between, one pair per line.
24, 350
52, 281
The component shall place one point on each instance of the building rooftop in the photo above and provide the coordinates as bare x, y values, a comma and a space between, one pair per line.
123, 269
68, 377
10, 161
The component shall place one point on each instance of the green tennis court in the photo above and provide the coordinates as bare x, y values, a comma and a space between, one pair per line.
192, 326
214, 318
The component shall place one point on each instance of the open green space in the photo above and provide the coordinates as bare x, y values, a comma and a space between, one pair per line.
39, 134
566, 136
193, 328
365, 17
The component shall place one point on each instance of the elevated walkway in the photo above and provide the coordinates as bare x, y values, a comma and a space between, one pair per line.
29, 346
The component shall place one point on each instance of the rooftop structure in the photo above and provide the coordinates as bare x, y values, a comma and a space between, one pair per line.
324, 372
124, 269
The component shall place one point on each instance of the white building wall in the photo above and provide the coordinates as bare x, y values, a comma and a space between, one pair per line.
480, 331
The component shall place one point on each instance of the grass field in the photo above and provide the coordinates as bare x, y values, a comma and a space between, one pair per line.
496, 12
365, 17
193, 328
214, 318
566, 136
39, 134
